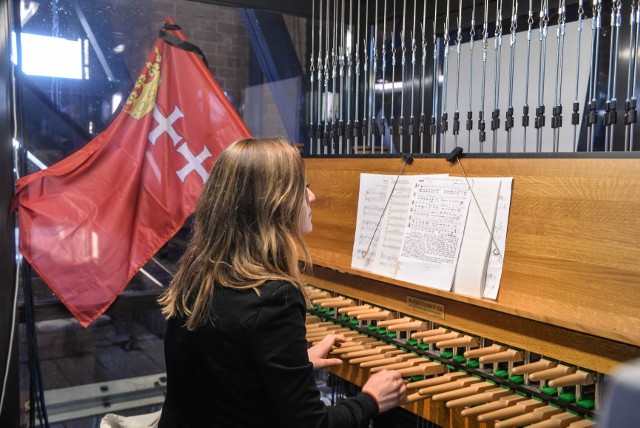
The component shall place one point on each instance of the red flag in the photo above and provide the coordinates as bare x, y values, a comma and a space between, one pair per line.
92, 220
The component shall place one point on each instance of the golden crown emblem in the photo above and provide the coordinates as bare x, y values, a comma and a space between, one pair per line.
142, 98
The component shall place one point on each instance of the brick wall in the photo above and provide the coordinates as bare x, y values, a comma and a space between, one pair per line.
222, 36
217, 30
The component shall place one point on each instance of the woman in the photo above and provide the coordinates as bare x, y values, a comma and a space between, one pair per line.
235, 346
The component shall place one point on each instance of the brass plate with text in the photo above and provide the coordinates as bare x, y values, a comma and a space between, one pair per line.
426, 307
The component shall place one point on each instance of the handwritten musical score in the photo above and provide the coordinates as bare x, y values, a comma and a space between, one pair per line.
418, 236
435, 226
431, 232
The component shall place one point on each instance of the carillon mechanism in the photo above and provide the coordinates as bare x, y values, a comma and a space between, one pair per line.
464, 379
384, 76
546, 349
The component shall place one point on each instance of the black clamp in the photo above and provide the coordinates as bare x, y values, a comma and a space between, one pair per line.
575, 116
508, 120
374, 127
611, 115
495, 119
456, 123
593, 114
540, 119
556, 119
630, 115
525, 116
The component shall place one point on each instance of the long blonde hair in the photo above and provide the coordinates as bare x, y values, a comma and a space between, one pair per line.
245, 230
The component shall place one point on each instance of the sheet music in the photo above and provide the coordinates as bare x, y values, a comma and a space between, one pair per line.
431, 232
374, 190
434, 230
471, 271
392, 227
494, 267
384, 250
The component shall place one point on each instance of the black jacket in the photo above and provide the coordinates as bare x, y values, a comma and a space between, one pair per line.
250, 368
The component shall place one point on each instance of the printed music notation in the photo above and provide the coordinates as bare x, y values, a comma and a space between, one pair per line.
434, 230
431, 232
374, 193
418, 236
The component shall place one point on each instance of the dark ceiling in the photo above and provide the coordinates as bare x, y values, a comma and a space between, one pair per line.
303, 7
289, 7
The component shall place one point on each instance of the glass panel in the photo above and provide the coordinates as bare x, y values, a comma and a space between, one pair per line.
117, 364
61, 114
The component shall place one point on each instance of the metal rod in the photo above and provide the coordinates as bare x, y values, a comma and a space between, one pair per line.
384, 74
311, 71
556, 119
319, 130
335, 76
456, 114
611, 115
326, 82
434, 108
472, 35
575, 116
356, 127
365, 70
341, 59
392, 120
593, 114
423, 82
508, 121
413, 76
540, 110
607, 104
444, 123
635, 71
497, 47
403, 62
525, 108
485, 44
348, 47
373, 125
630, 114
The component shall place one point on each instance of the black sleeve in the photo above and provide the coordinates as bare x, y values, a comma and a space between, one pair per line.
282, 359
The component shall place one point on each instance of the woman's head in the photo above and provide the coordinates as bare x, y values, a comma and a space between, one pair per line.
255, 184
247, 225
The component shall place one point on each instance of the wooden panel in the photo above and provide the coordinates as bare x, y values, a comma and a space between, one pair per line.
572, 257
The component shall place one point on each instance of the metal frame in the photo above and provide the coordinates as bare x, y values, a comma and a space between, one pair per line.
9, 414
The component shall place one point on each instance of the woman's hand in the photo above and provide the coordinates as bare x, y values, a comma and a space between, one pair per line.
319, 352
388, 389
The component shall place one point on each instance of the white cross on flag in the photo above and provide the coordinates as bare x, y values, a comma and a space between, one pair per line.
91, 221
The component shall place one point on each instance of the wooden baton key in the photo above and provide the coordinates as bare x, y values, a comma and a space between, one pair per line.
473, 400
501, 403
